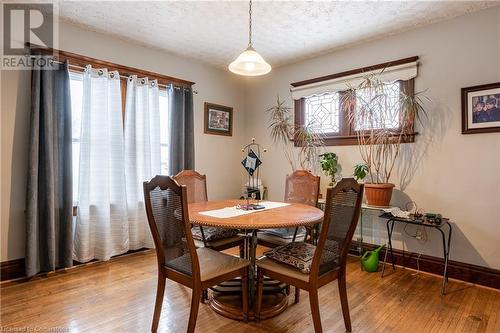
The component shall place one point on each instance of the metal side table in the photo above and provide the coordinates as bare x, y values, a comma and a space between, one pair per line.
420, 222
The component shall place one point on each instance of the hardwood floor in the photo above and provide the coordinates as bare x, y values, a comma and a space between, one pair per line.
118, 296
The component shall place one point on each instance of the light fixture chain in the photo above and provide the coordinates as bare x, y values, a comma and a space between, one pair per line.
250, 25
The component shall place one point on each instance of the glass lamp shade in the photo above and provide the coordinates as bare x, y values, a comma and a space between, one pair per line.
249, 63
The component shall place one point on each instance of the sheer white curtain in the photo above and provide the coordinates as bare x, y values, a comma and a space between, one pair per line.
101, 230
142, 153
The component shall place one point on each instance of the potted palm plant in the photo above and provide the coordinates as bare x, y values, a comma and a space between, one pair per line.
373, 109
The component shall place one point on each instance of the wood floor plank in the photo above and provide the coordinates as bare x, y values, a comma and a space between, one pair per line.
118, 296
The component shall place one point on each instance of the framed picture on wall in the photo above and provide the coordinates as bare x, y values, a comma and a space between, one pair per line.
218, 119
481, 109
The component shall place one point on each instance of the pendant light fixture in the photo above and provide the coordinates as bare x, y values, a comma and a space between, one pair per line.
249, 62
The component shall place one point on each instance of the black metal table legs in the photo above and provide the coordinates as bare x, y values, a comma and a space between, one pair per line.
446, 254
446, 249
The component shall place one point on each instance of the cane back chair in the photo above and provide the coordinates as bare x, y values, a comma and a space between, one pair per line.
327, 260
197, 192
177, 257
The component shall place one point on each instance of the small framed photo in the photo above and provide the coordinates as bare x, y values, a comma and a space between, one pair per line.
481, 109
218, 119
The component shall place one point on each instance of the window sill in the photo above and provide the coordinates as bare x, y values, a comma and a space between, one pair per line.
352, 140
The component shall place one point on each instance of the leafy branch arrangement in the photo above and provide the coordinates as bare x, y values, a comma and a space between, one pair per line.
287, 135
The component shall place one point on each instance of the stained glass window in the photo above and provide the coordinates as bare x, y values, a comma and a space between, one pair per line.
322, 113
384, 108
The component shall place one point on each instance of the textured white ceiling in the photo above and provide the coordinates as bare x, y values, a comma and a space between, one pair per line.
284, 32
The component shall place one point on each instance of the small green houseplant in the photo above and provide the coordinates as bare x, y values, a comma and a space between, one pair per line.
329, 164
360, 171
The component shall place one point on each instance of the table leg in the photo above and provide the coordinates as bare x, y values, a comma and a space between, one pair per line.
446, 253
389, 234
385, 260
226, 298
252, 268
360, 246
448, 250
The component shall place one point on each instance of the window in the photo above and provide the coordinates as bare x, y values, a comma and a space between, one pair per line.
386, 111
76, 90
320, 106
322, 113
164, 133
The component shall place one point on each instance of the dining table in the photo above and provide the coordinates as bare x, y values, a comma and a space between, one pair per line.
226, 298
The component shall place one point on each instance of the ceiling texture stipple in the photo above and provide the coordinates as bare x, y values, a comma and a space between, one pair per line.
284, 32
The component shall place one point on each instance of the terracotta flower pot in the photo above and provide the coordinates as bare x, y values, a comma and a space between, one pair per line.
378, 194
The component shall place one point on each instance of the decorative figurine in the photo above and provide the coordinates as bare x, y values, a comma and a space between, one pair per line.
251, 163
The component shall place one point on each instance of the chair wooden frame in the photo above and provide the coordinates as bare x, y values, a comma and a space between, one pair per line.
183, 175
296, 174
308, 237
181, 179
194, 281
315, 280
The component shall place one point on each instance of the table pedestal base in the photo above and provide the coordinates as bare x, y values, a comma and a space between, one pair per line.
225, 299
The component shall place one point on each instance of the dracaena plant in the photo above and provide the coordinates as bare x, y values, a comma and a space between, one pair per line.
372, 106
286, 135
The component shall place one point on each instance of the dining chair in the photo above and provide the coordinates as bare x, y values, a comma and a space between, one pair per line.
309, 266
177, 257
218, 239
215, 238
300, 187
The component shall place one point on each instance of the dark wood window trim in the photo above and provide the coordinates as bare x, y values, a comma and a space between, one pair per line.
76, 61
355, 71
79, 60
347, 135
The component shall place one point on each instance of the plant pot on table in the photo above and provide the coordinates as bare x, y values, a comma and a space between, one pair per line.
378, 194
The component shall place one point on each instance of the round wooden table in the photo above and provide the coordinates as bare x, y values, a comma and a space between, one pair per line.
226, 298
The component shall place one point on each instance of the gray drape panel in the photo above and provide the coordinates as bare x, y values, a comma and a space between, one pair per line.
49, 238
181, 144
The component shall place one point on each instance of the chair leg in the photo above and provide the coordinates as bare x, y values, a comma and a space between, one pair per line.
314, 301
195, 304
297, 295
242, 250
160, 291
308, 237
343, 301
244, 294
260, 291
204, 296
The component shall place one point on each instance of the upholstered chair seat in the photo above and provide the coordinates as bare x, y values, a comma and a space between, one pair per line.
212, 263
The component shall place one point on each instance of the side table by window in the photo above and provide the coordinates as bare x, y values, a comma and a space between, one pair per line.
391, 220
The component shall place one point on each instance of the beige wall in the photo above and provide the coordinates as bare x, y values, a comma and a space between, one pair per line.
454, 174
217, 156
450, 173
